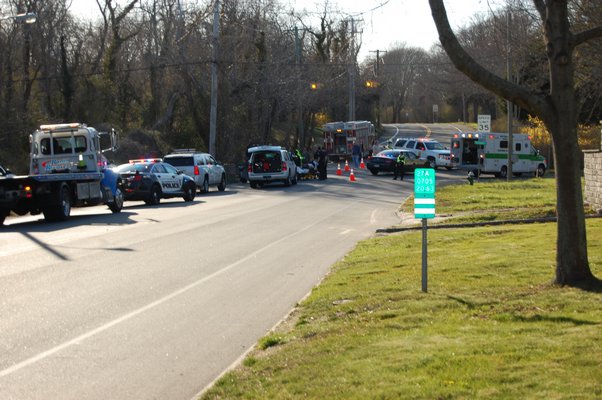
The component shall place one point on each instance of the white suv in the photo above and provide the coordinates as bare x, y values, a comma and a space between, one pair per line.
203, 167
431, 150
269, 164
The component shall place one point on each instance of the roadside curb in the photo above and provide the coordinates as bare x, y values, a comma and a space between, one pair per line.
477, 224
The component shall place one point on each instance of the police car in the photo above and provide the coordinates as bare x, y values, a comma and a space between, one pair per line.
151, 180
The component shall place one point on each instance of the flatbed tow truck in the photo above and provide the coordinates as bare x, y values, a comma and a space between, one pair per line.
67, 169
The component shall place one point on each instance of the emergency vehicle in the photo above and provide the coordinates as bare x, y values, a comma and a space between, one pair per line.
339, 138
487, 153
67, 168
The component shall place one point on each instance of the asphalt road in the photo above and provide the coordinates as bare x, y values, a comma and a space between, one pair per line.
158, 301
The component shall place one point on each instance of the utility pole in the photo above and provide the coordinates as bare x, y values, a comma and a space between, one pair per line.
352, 63
509, 105
300, 127
377, 75
214, 58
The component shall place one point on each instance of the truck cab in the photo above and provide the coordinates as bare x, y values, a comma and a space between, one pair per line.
67, 148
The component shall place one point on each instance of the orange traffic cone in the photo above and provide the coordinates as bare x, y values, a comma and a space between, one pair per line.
351, 177
339, 172
362, 165
346, 166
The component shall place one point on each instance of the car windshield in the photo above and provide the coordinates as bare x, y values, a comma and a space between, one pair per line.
132, 168
180, 161
434, 146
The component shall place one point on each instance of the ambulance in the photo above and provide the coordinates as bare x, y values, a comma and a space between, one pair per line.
487, 153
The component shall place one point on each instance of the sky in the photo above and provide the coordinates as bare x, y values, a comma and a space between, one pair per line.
384, 22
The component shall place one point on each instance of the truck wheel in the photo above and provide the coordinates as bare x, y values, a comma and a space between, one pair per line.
205, 187
541, 170
222, 184
117, 203
62, 211
503, 172
190, 192
287, 181
154, 197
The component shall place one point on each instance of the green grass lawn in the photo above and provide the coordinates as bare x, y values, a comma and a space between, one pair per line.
490, 326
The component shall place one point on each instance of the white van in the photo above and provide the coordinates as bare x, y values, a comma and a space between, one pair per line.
269, 164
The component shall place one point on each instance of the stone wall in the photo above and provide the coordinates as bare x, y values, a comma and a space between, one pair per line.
593, 178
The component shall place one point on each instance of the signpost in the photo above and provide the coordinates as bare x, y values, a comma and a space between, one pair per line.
424, 208
484, 123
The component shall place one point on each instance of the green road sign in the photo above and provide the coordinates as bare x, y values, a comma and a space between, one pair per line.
424, 193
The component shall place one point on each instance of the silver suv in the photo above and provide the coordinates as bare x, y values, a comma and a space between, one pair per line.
269, 164
431, 150
203, 167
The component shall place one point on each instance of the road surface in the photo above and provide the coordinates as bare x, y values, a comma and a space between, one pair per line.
157, 301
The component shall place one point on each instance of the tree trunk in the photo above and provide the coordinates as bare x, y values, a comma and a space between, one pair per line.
572, 265
558, 111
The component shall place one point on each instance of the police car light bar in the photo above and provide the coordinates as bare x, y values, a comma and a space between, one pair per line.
142, 160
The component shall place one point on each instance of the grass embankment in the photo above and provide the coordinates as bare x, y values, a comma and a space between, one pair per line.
490, 326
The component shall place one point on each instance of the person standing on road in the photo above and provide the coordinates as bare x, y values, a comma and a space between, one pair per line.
322, 163
399, 169
356, 153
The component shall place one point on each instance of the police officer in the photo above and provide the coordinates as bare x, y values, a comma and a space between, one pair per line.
399, 166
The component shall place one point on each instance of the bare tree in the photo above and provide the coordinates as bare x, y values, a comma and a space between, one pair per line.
558, 109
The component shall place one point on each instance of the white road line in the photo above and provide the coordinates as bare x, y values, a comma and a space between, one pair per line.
89, 334
373, 217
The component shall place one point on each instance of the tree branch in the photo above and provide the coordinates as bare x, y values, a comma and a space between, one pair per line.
581, 37
540, 5
470, 67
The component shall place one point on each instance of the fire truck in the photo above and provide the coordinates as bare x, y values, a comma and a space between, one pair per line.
339, 138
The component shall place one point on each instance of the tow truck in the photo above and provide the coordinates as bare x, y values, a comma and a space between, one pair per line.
67, 168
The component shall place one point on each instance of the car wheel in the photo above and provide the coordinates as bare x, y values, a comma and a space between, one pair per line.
189, 192
117, 203
253, 185
374, 172
295, 179
205, 187
432, 162
448, 168
3, 215
154, 197
287, 181
222, 184
541, 170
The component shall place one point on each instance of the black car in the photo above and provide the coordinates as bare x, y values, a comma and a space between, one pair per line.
151, 180
385, 161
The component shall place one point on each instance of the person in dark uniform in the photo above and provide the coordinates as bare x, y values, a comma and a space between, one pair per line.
322, 162
400, 162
